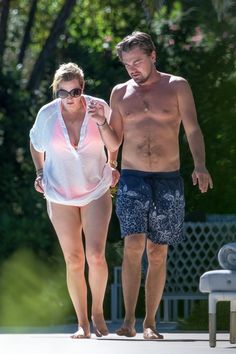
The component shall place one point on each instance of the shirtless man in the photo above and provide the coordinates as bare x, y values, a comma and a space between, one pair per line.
146, 115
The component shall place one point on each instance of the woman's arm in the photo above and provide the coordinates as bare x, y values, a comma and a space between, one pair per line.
38, 159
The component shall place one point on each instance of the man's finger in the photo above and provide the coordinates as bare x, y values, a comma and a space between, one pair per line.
194, 179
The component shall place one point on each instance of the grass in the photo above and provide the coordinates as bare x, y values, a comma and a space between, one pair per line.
33, 293
198, 319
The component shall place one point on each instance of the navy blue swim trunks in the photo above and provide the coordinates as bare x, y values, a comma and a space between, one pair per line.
151, 203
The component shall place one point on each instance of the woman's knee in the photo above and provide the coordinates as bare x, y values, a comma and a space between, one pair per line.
74, 261
96, 258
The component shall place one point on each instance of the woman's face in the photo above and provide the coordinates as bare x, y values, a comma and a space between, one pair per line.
70, 93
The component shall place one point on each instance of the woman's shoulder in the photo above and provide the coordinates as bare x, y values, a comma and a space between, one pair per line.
49, 109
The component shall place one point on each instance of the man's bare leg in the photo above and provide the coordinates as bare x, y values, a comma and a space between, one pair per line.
155, 282
134, 246
95, 220
67, 223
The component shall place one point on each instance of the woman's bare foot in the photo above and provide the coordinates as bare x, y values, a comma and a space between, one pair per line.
82, 333
99, 325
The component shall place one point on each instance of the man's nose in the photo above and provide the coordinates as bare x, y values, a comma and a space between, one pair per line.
132, 68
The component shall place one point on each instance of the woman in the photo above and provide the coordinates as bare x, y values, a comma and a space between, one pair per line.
72, 173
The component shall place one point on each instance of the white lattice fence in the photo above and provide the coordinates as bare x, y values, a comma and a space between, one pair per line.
196, 255
186, 263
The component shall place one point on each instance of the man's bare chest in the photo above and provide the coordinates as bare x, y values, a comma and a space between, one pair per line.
162, 105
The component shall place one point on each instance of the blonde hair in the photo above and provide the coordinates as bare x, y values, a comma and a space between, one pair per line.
67, 72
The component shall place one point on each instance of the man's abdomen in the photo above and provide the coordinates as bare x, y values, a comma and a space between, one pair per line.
150, 158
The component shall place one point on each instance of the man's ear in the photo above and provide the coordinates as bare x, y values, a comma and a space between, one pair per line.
154, 56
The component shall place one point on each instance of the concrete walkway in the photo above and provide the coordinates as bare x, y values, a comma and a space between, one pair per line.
56, 340
61, 343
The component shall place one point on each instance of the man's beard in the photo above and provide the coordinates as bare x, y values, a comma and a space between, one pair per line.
141, 80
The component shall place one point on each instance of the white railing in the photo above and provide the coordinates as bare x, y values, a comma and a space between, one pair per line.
186, 263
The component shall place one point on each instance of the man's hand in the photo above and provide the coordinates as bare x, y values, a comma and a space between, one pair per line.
202, 177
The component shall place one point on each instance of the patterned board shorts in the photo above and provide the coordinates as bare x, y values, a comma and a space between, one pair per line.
151, 203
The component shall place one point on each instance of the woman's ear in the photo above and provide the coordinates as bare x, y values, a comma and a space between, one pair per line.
83, 86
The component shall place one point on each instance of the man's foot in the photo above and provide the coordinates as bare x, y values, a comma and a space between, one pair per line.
81, 334
150, 333
99, 326
126, 330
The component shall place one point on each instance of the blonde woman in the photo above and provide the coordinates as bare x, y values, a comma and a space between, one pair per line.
73, 173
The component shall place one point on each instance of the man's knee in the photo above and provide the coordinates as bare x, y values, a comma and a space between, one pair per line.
157, 254
134, 246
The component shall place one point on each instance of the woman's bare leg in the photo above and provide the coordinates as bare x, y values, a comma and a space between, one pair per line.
95, 220
67, 224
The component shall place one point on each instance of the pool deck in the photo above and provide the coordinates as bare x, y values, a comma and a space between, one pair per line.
57, 340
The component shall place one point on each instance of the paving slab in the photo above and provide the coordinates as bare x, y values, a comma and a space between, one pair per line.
61, 343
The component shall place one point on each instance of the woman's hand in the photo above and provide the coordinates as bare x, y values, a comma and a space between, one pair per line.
96, 110
38, 183
115, 177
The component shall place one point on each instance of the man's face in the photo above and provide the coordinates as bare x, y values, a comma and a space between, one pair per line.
138, 64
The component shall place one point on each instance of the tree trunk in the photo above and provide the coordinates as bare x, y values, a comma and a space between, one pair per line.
3, 28
149, 6
146, 11
50, 43
29, 25
221, 7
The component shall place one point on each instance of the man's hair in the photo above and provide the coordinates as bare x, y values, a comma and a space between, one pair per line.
67, 72
137, 39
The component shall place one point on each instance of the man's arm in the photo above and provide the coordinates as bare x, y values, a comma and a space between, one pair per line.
194, 135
